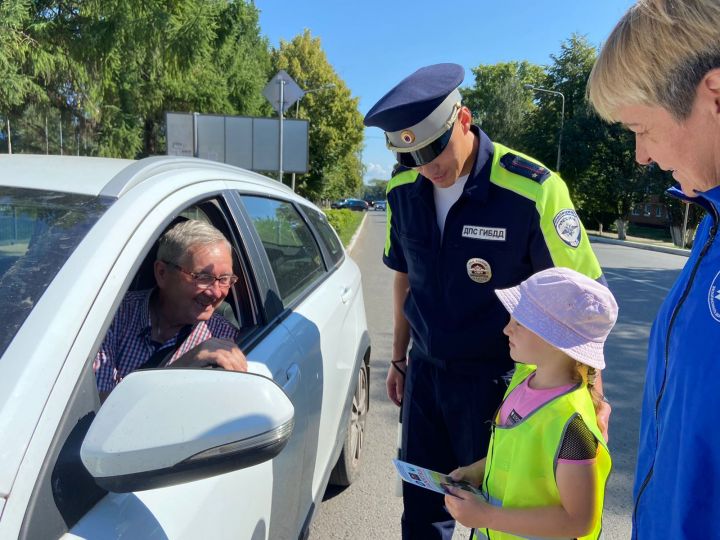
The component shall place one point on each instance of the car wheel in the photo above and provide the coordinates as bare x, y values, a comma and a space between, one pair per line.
348, 466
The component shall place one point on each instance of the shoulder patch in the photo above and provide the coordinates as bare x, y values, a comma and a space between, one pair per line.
524, 167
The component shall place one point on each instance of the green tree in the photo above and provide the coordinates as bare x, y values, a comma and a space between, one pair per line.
375, 190
597, 159
568, 75
26, 61
499, 101
118, 65
336, 130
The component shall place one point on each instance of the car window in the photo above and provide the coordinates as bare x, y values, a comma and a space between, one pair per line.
290, 246
327, 234
39, 230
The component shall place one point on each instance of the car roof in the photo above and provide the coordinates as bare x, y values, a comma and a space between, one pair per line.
108, 177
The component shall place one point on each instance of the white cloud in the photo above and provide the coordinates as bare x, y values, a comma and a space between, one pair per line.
377, 170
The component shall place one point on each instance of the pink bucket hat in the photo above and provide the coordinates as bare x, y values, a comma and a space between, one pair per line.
567, 309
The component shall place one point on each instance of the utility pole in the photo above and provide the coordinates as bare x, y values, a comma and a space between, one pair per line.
562, 117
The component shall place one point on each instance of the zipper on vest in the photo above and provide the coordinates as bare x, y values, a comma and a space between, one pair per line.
676, 310
488, 465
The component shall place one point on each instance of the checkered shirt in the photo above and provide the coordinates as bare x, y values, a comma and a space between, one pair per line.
128, 345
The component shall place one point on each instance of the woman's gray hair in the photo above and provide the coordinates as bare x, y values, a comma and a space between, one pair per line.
656, 55
175, 243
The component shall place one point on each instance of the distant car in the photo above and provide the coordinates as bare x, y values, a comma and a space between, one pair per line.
351, 204
172, 453
380, 205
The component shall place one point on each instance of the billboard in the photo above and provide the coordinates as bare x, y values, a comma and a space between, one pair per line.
243, 141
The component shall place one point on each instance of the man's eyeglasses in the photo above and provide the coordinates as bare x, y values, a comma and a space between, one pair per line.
205, 281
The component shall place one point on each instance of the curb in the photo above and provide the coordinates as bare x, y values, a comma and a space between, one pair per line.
351, 244
639, 245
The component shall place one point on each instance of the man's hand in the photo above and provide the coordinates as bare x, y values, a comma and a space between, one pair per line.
603, 418
395, 382
214, 352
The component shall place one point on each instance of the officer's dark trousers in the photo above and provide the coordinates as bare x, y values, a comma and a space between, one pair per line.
446, 424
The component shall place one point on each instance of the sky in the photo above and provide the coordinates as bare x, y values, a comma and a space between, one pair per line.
373, 44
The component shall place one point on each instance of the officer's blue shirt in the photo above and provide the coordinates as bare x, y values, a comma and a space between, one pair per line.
514, 218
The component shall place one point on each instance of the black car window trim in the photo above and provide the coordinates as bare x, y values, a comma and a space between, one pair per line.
278, 312
330, 264
311, 285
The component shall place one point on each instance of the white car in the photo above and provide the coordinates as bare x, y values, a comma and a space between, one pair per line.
172, 453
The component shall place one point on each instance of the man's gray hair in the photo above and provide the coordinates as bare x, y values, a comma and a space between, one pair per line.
175, 244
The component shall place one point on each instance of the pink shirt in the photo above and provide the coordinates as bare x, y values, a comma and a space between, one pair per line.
523, 400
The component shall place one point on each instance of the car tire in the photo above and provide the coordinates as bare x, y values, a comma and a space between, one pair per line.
348, 466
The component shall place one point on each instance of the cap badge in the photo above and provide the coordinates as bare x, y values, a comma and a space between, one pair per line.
407, 136
479, 270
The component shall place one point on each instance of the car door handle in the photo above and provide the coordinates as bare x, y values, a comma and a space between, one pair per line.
293, 379
345, 294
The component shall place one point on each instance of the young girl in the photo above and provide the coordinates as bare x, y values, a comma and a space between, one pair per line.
547, 464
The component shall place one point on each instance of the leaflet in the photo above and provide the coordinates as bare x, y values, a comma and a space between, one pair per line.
428, 479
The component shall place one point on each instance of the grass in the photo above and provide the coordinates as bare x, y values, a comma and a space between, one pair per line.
345, 222
651, 233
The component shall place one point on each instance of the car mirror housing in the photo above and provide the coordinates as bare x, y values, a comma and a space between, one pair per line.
169, 426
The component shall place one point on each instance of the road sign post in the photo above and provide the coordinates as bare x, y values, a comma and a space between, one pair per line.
282, 92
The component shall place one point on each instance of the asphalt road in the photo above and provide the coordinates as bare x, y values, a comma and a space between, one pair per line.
369, 508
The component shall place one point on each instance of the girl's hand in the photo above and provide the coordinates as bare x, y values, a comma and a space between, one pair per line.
466, 508
472, 473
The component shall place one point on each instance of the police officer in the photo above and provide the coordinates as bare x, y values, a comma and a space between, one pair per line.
467, 217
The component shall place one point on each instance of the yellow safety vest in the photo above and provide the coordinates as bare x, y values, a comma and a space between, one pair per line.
521, 463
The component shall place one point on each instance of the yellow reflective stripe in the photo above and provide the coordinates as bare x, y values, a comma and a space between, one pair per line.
406, 177
550, 197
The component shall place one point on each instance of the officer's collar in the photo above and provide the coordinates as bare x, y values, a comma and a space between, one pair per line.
478, 181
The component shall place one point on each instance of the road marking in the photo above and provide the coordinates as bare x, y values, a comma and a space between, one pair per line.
642, 281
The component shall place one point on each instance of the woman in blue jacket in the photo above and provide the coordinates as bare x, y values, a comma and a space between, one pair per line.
659, 74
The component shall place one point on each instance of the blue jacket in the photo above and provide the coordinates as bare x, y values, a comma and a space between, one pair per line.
514, 218
677, 481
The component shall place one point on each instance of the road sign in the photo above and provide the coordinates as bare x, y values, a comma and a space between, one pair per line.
250, 143
282, 83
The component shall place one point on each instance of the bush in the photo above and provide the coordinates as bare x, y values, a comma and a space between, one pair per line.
345, 222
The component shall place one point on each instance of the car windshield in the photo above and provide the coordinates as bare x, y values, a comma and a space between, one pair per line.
38, 232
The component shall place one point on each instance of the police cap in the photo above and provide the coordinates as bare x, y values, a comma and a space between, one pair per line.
418, 114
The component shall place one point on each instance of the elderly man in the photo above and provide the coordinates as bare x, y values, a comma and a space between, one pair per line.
194, 273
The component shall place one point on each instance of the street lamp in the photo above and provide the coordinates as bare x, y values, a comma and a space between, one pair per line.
297, 110
562, 116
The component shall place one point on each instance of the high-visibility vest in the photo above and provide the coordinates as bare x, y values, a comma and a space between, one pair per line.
522, 459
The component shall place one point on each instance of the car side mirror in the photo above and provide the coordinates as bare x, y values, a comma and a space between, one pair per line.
169, 426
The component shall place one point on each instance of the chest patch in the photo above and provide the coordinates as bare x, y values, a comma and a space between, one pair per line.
478, 270
714, 298
567, 225
496, 234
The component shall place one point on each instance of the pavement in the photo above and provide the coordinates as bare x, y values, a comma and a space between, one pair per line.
638, 242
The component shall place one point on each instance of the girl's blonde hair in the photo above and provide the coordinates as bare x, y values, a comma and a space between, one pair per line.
656, 55
588, 375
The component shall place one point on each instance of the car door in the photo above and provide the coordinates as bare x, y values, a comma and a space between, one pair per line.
249, 503
320, 299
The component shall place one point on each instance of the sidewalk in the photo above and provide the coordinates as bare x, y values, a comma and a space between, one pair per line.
637, 242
